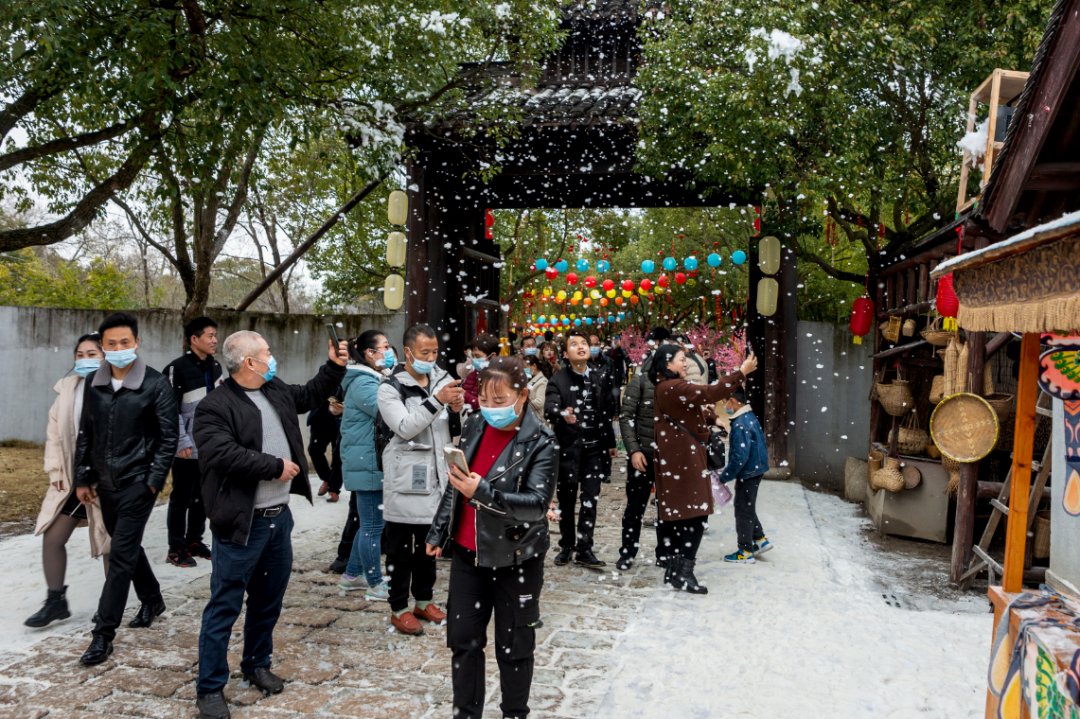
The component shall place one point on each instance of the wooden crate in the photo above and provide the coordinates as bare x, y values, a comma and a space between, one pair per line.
1001, 89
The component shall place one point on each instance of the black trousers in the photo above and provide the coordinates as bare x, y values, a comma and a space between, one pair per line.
411, 570
580, 469
682, 537
747, 526
639, 487
329, 472
513, 595
186, 520
125, 513
348, 532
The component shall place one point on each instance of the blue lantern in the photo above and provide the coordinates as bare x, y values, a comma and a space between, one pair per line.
582, 265
566, 320
738, 257
690, 263
577, 323
562, 266
541, 320
603, 266
648, 267
715, 260
541, 264
670, 264
588, 321
621, 316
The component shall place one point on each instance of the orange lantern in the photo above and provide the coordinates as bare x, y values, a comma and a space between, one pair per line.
603, 302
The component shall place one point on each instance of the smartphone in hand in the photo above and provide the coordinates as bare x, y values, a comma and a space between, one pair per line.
456, 457
332, 332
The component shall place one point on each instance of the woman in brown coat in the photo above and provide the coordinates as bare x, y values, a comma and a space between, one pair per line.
61, 511
683, 492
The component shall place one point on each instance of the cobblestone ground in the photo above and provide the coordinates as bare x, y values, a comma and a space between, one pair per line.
338, 653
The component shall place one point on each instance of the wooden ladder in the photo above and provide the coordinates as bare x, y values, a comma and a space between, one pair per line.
981, 558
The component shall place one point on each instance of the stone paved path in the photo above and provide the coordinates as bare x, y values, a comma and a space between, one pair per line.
338, 653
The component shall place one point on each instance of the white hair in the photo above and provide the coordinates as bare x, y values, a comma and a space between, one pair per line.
239, 345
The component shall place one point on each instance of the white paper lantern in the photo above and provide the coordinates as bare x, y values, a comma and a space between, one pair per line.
395, 249
394, 292
397, 208
767, 291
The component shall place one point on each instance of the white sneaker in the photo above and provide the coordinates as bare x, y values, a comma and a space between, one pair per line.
379, 593
350, 584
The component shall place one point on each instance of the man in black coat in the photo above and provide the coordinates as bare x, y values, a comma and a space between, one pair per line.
251, 454
580, 406
127, 439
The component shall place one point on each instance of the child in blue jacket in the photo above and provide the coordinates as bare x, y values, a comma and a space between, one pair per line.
748, 459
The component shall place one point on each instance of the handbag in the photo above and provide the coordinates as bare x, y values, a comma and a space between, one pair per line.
715, 449
720, 493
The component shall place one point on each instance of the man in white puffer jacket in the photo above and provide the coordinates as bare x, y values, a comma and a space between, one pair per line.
417, 403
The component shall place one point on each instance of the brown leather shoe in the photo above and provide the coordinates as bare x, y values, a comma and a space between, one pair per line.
430, 613
406, 624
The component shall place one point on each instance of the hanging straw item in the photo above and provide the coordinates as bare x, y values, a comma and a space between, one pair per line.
950, 359
962, 383
935, 335
889, 477
953, 468
891, 330
896, 397
937, 389
877, 457
912, 437
964, 427
908, 328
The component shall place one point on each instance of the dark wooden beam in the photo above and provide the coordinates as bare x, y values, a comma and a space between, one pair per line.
1054, 177
964, 525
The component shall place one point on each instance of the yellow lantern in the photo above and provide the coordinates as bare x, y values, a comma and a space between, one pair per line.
642, 291
611, 293
397, 208
547, 292
658, 290
627, 293
578, 295
394, 292
595, 294
395, 249
768, 289
769, 255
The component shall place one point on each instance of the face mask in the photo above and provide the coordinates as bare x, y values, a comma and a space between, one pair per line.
479, 364
120, 358
422, 367
729, 411
530, 351
499, 417
389, 359
271, 368
87, 366
528, 372
594, 351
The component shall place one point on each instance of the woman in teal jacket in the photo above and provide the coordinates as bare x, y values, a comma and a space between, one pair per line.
359, 462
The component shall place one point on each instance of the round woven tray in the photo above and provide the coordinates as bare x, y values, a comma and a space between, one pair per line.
964, 427
912, 476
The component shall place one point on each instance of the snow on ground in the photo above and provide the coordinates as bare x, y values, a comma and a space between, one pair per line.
24, 583
807, 631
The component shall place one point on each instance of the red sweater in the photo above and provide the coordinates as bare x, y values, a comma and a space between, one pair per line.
491, 446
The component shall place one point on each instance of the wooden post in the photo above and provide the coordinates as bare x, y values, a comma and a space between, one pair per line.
1027, 395
964, 525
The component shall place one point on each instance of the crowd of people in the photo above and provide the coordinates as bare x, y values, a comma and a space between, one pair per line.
474, 464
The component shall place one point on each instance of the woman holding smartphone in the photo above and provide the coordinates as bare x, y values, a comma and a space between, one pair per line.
492, 520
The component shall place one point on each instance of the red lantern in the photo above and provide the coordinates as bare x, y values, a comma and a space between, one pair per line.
628, 285
609, 284
948, 304
590, 282
646, 284
551, 273
680, 278
571, 278
489, 222
663, 281
862, 318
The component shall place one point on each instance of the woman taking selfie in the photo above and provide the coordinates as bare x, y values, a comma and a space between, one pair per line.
492, 520
683, 491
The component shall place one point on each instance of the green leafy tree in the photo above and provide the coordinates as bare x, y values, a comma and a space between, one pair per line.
831, 109
41, 278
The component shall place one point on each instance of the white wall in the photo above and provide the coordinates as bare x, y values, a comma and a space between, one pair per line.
37, 344
1064, 571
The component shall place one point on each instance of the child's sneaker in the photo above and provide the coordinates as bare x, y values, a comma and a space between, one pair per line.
740, 557
761, 546
379, 593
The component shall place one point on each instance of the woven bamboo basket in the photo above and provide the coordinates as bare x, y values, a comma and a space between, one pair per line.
911, 438
912, 476
937, 336
873, 464
964, 427
889, 477
937, 389
890, 329
896, 397
908, 328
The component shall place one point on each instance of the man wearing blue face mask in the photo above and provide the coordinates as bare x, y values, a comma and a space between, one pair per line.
128, 435
483, 350
251, 454
529, 348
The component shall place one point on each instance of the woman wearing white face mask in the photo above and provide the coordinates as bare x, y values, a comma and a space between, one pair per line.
493, 522
61, 511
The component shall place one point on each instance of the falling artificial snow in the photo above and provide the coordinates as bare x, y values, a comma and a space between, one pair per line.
974, 143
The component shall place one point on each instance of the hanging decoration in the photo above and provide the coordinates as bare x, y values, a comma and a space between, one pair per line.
541, 264
715, 260
690, 264
571, 278
489, 222
670, 263
582, 265
590, 282
862, 318
680, 278
648, 267
738, 257
609, 285
947, 304
562, 266
603, 267
551, 273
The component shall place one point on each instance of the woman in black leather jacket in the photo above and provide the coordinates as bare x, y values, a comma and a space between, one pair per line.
493, 522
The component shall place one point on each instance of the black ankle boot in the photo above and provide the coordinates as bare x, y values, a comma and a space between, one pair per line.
670, 570
55, 607
684, 578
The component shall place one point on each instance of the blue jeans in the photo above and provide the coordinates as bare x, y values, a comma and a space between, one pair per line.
367, 545
261, 569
